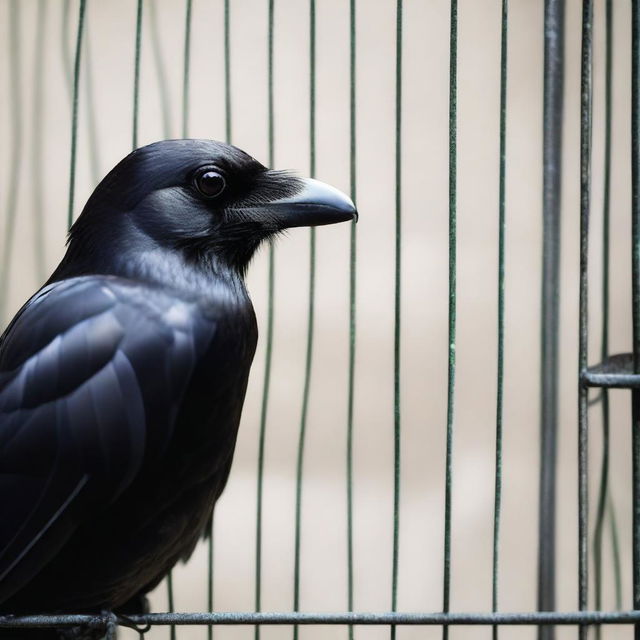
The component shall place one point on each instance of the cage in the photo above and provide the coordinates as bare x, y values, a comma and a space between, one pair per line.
436, 439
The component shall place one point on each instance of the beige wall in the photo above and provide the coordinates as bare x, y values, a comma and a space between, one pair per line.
424, 290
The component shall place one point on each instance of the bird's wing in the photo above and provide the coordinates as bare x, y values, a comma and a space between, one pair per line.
86, 368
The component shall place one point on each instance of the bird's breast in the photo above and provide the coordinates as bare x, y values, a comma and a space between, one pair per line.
209, 414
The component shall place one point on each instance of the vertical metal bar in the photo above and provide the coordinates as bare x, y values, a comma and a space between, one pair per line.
352, 304
37, 140
210, 556
74, 110
451, 373
635, 262
552, 167
269, 344
501, 255
92, 124
136, 74
185, 124
94, 155
601, 508
64, 41
397, 320
227, 70
161, 74
15, 70
186, 69
171, 603
227, 118
615, 552
583, 400
270, 87
603, 493
311, 313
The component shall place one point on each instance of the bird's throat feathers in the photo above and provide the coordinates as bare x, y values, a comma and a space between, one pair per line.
123, 250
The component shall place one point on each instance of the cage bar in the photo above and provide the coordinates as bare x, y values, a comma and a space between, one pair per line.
74, 109
233, 618
136, 74
270, 323
352, 307
605, 504
501, 276
186, 68
586, 91
635, 265
397, 335
159, 63
451, 344
310, 317
551, 215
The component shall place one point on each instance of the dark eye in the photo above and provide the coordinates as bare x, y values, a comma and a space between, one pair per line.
210, 183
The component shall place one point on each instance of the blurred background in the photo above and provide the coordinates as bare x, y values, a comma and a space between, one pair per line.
38, 50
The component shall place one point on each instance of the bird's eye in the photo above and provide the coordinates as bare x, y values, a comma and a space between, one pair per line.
210, 183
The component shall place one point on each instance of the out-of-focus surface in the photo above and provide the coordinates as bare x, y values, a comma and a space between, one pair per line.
108, 63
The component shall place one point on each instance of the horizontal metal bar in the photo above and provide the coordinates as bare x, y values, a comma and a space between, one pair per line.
342, 618
616, 372
611, 381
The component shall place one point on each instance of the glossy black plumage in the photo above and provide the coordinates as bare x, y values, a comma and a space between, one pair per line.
122, 380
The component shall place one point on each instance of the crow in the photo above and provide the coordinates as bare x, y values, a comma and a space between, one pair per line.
122, 379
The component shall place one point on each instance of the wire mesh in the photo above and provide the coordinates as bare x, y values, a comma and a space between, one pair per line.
148, 40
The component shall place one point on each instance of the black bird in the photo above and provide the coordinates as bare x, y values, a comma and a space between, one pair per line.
122, 380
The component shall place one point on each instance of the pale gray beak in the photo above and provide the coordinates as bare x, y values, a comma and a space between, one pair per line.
315, 204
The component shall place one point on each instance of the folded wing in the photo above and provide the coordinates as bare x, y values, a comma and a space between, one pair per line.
92, 374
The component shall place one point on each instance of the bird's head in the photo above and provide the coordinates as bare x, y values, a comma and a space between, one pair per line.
206, 199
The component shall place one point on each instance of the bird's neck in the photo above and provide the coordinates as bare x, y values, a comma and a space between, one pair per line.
134, 256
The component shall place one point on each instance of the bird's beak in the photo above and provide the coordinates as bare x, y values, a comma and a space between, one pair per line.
315, 204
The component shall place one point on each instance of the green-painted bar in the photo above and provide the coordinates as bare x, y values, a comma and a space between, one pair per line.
266, 385
136, 73
501, 286
186, 69
453, 162
310, 318
227, 69
161, 74
605, 503
615, 552
74, 110
92, 125
397, 334
352, 307
185, 107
